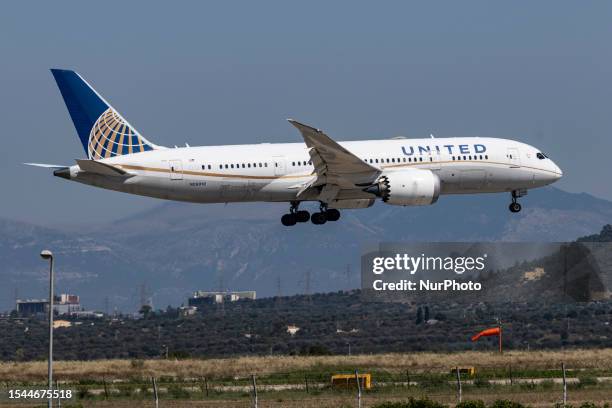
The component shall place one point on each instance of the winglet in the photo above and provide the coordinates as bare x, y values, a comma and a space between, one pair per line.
301, 126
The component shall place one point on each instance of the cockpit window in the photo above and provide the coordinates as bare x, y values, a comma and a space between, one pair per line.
541, 156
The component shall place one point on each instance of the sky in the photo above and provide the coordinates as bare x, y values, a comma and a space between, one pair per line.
231, 72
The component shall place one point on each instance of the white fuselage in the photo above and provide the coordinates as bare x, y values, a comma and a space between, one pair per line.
274, 172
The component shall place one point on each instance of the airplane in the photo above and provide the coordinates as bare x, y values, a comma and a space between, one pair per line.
336, 175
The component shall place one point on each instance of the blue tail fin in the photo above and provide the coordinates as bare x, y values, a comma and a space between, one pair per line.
102, 130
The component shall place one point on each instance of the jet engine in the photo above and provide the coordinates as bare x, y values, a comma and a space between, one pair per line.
407, 187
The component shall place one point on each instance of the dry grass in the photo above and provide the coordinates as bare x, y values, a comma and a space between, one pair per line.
244, 366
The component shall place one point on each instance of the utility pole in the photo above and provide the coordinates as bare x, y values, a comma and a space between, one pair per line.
348, 277
48, 255
565, 272
307, 283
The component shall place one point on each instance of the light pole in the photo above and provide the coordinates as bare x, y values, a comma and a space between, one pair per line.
46, 254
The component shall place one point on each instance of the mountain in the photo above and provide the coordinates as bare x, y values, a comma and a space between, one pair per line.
177, 248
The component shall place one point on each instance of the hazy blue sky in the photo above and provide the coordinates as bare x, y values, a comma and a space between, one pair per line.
231, 72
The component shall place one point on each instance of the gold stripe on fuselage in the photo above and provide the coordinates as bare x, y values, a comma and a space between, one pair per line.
297, 176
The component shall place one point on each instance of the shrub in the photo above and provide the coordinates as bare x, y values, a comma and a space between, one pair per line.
589, 405
178, 392
471, 404
82, 392
137, 364
506, 404
584, 381
412, 403
481, 382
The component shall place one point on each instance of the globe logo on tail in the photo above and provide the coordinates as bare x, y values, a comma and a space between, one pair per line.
111, 136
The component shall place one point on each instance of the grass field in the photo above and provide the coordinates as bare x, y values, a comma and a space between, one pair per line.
599, 360
528, 377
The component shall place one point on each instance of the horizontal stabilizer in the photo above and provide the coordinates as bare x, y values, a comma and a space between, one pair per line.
46, 166
92, 166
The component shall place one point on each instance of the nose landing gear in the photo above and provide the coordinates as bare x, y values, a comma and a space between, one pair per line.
514, 205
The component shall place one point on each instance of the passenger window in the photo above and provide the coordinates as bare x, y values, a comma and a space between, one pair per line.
420, 159
486, 157
266, 164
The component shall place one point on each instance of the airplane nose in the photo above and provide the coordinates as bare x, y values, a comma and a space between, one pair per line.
558, 172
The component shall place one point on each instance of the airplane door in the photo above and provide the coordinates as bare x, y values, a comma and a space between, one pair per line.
279, 165
176, 169
513, 157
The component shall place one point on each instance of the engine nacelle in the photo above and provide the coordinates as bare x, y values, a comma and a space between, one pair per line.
407, 187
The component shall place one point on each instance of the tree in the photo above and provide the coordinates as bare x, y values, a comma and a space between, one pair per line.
419, 318
145, 311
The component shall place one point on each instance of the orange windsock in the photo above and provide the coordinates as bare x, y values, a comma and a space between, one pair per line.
496, 331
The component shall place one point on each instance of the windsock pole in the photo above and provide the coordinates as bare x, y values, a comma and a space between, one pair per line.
500, 339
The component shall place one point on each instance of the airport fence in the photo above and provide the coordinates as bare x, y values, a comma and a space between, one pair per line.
447, 384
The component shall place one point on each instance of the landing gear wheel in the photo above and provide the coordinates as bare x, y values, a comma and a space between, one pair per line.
318, 218
515, 207
302, 216
332, 214
288, 220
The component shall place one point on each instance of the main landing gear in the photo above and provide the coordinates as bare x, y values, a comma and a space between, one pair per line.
318, 218
325, 214
295, 215
514, 205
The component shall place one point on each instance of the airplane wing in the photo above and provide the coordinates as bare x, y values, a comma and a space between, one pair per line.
336, 168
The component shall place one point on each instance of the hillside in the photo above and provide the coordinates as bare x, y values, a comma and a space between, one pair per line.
178, 248
327, 323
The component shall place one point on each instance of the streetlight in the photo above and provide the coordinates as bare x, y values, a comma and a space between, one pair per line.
46, 254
